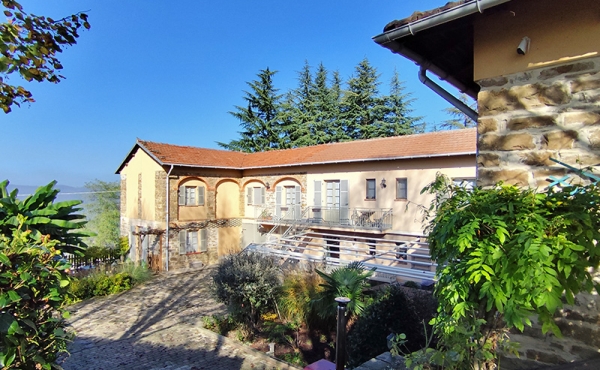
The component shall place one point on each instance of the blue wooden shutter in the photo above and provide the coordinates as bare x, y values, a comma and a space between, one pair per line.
182, 195
200, 195
182, 242
278, 202
203, 240
249, 195
298, 203
344, 200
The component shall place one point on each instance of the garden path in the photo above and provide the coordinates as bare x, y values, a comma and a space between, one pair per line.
158, 325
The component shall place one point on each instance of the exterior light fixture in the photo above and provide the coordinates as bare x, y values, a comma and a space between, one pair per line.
383, 183
523, 47
268, 185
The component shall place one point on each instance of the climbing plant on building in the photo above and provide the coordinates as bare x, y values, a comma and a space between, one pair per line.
505, 254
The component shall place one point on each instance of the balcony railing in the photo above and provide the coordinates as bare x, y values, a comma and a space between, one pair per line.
340, 217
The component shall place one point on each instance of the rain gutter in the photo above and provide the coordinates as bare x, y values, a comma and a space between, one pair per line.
168, 218
386, 40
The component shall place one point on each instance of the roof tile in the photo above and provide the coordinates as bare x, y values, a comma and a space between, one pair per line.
441, 143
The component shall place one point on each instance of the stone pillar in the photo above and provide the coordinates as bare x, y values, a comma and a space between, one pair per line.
529, 117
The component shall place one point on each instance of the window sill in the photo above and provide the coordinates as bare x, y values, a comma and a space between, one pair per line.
190, 206
370, 200
400, 199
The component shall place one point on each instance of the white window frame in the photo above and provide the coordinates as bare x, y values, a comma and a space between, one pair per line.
398, 181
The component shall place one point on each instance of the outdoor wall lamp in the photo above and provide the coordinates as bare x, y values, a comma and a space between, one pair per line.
268, 185
383, 183
523, 47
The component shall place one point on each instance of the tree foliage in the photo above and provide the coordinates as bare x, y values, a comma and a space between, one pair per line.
260, 119
104, 212
320, 110
32, 294
348, 281
29, 47
248, 284
503, 255
43, 216
459, 119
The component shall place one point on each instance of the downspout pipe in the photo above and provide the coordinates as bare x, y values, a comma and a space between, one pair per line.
167, 217
446, 95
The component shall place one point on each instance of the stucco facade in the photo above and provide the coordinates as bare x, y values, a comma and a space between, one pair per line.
220, 210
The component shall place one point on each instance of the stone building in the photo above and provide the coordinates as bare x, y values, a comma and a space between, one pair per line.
533, 66
215, 202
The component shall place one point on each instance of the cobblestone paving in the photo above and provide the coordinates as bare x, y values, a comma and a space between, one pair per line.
158, 325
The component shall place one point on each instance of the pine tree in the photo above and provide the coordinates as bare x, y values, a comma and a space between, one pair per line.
363, 110
262, 127
459, 119
397, 120
299, 111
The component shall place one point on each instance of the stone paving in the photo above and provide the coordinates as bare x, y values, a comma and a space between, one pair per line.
158, 325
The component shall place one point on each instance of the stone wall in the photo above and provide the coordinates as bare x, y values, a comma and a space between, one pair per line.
524, 120
527, 118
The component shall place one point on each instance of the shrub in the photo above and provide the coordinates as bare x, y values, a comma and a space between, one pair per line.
393, 311
248, 283
32, 292
504, 254
101, 283
219, 324
299, 288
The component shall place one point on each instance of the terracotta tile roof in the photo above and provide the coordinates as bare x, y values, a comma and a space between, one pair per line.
420, 15
435, 144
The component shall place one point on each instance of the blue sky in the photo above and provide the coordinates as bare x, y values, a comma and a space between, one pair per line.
170, 71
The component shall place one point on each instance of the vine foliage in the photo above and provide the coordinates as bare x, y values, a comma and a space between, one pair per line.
505, 254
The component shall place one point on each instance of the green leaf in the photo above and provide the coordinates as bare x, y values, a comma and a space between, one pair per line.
5, 260
14, 296
64, 283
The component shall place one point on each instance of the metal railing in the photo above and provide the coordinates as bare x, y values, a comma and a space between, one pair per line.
269, 214
358, 218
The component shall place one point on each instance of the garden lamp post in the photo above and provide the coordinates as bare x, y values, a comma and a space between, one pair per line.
340, 345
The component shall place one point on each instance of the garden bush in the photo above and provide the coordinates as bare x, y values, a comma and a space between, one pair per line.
394, 311
219, 324
300, 287
102, 283
248, 283
32, 291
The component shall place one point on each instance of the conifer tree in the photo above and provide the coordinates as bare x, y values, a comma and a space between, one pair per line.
459, 119
397, 120
260, 120
362, 108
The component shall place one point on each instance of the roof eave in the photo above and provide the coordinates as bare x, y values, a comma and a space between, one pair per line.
128, 157
423, 156
448, 15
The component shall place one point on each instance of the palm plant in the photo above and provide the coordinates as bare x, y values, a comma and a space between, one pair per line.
42, 215
349, 281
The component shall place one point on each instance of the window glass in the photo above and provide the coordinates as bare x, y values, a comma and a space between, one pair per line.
370, 188
190, 195
401, 188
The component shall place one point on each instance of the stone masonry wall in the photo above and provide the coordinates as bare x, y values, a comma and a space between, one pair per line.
527, 118
524, 120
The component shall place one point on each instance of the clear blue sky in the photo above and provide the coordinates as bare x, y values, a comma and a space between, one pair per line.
169, 71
